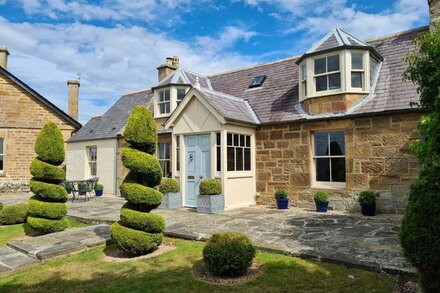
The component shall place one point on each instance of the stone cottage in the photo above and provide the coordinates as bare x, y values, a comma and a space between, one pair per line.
337, 118
23, 113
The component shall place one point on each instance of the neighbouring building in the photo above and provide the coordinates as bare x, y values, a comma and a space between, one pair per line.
23, 113
338, 118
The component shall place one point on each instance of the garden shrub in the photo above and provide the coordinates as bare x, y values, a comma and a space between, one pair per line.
1, 206
168, 185
14, 214
47, 208
281, 193
228, 254
210, 186
321, 196
367, 197
420, 229
139, 232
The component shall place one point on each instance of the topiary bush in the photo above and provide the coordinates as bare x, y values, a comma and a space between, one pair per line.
138, 231
321, 196
210, 186
168, 185
281, 193
14, 214
367, 197
47, 208
228, 254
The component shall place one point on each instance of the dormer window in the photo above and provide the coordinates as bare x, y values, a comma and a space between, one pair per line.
180, 95
164, 102
357, 70
257, 81
327, 73
304, 79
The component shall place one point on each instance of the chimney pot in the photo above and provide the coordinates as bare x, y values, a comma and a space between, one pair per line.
4, 57
171, 64
73, 86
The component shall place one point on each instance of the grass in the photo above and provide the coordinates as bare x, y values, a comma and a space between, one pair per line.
19, 231
87, 272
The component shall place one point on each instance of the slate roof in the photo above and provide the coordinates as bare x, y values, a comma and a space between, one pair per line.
230, 107
40, 98
112, 123
278, 101
184, 77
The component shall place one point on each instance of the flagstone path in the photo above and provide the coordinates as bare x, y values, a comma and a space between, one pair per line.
352, 240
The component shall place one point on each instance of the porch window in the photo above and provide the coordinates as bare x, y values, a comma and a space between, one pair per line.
327, 73
164, 102
218, 151
238, 152
329, 156
2, 155
92, 153
164, 158
177, 153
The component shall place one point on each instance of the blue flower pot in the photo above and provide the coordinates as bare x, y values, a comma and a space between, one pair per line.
99, 192
321, 207
283, 203
368, 209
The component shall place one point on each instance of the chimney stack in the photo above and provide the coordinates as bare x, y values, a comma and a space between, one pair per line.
434, 12
73, 98
171, 64
4, 57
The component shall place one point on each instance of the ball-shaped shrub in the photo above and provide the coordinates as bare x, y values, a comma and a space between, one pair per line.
138, 231
47, 208
168, 185
99, 187
367, 197
228, 254
14, 214
281, 193
210, 186
321, 196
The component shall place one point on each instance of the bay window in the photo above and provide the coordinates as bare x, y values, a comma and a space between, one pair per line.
164, 102
327, 73
329, 156
238, 152
357, 70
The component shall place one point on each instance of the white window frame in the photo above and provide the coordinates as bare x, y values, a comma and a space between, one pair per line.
364, 72
92, 162
164, 159
328, 73
303, 75
227, 146
328, 184
164, 102
2, 155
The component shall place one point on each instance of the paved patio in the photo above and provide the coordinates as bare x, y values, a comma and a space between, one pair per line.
352, 240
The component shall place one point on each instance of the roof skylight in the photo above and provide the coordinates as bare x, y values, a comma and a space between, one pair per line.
257, 81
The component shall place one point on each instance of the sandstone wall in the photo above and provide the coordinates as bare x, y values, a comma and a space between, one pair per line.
21, 119
377, 157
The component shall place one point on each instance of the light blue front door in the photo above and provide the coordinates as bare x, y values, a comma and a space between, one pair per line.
198, 165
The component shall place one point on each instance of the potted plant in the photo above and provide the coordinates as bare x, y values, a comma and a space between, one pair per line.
68, 186
210, 200
99, 189
367, 200
171, 195
82, 188
321, 201
282, 199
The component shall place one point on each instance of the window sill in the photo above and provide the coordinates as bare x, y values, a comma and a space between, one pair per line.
330, 187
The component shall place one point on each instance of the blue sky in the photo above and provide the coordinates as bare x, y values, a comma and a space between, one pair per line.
116, 45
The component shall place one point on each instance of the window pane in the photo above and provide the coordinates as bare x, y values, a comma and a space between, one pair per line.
356, 79
334, 81
1, 146
1, 162
356, 61
247, 159
321, 144
167, 150
180, 94
231, 159
303, 72
230, 140
219, 165
167, 95
333, 63
321, 83
337, 143
248, 141
236, 141
323, 169
338, 169
177, 160
218, 139
239, 159
242, 140
304, 86
320, 66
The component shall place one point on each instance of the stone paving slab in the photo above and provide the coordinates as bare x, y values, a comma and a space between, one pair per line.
12, 260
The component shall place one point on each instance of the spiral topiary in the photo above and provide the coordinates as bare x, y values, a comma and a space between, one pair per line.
47, 207
138, 231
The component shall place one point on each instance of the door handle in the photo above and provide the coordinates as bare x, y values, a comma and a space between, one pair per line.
201, 177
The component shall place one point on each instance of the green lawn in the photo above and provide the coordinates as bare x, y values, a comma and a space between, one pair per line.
171, 272
17, 232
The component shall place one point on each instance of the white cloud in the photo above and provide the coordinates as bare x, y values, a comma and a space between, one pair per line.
227, 38
111, 60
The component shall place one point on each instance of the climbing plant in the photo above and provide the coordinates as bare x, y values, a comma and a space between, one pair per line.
47, 207
139, 231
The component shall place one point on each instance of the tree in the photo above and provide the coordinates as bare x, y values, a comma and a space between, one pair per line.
139, 231
47, 207
420, 231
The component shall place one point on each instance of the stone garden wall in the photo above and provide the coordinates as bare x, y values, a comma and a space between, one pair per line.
378, 157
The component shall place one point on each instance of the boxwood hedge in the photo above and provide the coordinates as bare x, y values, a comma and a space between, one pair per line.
14, 214
134, 241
